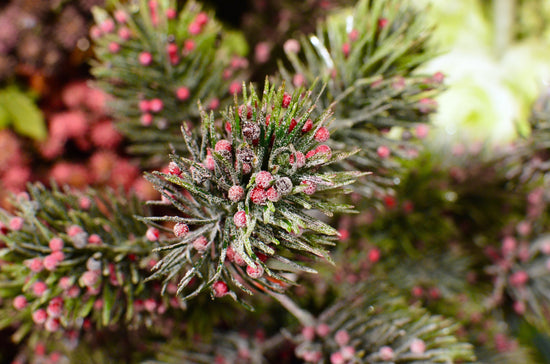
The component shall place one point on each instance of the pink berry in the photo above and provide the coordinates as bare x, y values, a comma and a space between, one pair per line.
220, 289
341, 337
263, 179
311, 187
239, 219
194, 28
509, 245
39, 288
292, 125
258, 196
337, 358
107, 26
255, 272
519, 278
386, 353
84, 203
322, 134
183, 93
201, 18
324, 149
374, 255
50, 262
171, 13
346, 49
150, 304
16, 223
418, 346
121, 16
95, 239
74, 230
308, 125
223, 145
152, 234
438, 77
200, 243
95, 32
64, 283
144, 105
90, 278
235, 88
422, 131
19, 302
382, 22
189, 45
519, 307
322, 330
308, 332
273, 195
286, 100
124, 33
39, 316
145, 58
291, 46
114, 47
55, 307
173, 169
235, 193
210, 163
58, 256
181, 229
353, 35
156, 105
383, 151
52, 324
34, 264
348, 352
298, 80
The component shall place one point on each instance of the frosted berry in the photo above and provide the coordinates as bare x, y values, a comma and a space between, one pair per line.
210, 163
308, 125
240, 219
418, 346
286, 100
235, 88
220, 289
298, 159
298, 80
255, 272
90, 278
95, 239
38, 288
52, 324
311, 187
235, 193
55, 307
273, 195
121, 16
386, 353
114, 47
258, 196
245, 155
107, 26
383, 151
519, 278
19, 302
173, 169
337, 358
263, 179
156, 105
324, 149
519, 307
124, 33
251, 131
348, 352
200, 243
34, 264
152, 234
39, 316
292, 125
308, 332
224, 148
283, 185
145, 58
51, 262
182, 93
194, 28
322, 134
181, 229
382, 22
322, 330
422, 131
74, 230
189, 45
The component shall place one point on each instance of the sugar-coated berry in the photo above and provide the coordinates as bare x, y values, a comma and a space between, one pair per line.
308, 332
38, 288
95, 239
519, 278
286, 100
346, 49
121, 16
90, 278
16, 223
386, 353
291, 46
152, 234
55, 307
245, 155
383, 151
235, 193
156, 105
189, 45
124, 33
51, 262
322, 134
348, 352
19, 302
194, 28
283, 185
144, 106
74, 230
52, 324
298, 80
308, 125
251, 131
84, 202
341, 337
107, 26
311, 187
263, 179
223, 146
174, 169
145, 58
172, 49
292, 125
35, 264
200, 243
337, 358
273, 195
183, 93
220, 289
240, 219
209, 163
324, 149
181, 229
255, 272
258, 196
322, 330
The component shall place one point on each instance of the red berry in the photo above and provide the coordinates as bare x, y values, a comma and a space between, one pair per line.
286, 100
299, 159
324, 149
308, 332
346, 49
255, 272
146, 119
353, 35
258, 196
223, 145
171, 13
52, 324
152, 234
183, 93
55, 307
322, 134
114, 47
19, 302
189, 45
382, 22
292, 125
39, 288
240, 219
210, 163
220, 289
311, 153
156, 105
263, 179
16, 223
374, 255
174, 169
194, 28
235, 193
181, 229
34, 264
235, 88
50, 262
39, 316
90, 278
201, 18
308, 125
519, 278
95, 239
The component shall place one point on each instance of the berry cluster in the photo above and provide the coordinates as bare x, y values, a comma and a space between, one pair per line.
243, 193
